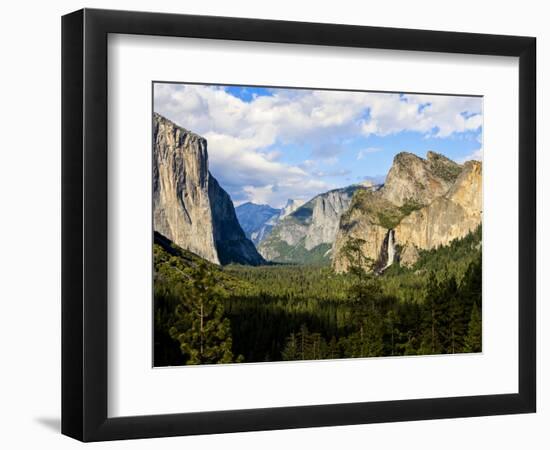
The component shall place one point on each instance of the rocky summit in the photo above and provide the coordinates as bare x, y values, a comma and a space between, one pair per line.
415, 180
189, 206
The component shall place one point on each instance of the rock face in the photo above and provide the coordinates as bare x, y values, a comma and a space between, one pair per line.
257, 221
307, 233
189, 206
409, 255
425, 203
448, 217
414, 180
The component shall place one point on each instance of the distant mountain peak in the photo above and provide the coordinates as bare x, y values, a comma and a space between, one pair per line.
249, 203
291, 206
294, 202
257, 220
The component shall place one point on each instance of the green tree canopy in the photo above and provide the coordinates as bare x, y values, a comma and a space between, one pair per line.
200, 328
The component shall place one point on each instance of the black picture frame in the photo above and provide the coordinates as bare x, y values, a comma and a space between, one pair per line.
84, 224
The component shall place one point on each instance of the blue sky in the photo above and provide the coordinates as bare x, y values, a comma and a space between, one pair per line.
266, 145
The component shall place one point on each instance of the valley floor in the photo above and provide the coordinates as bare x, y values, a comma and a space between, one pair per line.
206, 314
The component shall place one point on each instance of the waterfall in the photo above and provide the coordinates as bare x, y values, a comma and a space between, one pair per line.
387, 253
390, 250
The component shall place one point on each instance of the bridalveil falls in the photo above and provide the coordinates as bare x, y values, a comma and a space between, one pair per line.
390, 248
387, 252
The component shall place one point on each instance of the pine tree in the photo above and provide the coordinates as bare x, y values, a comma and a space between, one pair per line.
290, 352
451, 328
409, 347
358, 263
471, 283
304, 346
333, 349
431, 342
392, 331
368, 340
201, 329
473, 339
364, 294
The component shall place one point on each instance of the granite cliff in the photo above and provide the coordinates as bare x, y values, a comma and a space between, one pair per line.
448, 217
189, 206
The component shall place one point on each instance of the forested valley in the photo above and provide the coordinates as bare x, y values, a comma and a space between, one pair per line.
206, 314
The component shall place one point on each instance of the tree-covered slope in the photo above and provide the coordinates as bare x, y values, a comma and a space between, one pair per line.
190, 323
294, 312
424, 309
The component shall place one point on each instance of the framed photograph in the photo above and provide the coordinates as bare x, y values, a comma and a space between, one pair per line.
273, 224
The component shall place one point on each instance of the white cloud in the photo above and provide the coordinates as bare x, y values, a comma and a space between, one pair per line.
476, 155
361, 154
234, 162
332, 161
434, 115
332, 173
277, 194
245, 138
273, 155
374, 179
308, 164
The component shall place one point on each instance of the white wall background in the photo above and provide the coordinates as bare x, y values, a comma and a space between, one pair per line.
30, 227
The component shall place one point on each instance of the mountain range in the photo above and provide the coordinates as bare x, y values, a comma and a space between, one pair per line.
257, 221
423, 204
306, 235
